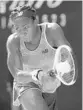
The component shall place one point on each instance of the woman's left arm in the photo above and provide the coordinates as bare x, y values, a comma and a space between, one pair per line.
61, 41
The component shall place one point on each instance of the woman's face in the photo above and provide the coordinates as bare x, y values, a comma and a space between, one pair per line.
24, 26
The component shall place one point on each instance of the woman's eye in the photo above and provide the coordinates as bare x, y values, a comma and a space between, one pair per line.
16, 28
25, 27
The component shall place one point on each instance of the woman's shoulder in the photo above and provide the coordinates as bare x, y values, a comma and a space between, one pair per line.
13, 39
49, 24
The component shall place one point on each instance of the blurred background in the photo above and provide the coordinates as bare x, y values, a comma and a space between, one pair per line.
68, 14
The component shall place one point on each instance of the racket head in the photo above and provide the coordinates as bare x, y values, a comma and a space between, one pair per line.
64, 53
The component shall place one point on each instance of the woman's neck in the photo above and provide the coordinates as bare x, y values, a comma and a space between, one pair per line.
36, 35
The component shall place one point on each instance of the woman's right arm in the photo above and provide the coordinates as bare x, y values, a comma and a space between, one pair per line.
14, 62
13, 59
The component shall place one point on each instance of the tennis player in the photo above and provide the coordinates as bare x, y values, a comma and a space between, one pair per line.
31, 53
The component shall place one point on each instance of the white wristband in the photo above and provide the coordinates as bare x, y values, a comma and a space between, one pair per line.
35, 74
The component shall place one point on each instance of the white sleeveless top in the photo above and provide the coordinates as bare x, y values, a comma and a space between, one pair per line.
42, 57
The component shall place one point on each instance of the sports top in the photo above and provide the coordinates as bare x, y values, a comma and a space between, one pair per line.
42, 57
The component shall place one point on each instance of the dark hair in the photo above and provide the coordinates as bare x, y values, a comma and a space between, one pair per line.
28, 11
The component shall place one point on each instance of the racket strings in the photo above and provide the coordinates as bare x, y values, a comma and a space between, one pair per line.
68, 77
66, 56
63, 55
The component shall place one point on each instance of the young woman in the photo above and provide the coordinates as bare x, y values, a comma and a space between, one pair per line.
31, 52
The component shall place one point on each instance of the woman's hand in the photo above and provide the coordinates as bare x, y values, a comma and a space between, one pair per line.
49, 81
52, 73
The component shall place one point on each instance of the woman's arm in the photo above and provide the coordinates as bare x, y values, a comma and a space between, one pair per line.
15, 64
13, 60
64, 51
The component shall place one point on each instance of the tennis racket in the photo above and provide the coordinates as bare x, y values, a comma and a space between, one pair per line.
64, 65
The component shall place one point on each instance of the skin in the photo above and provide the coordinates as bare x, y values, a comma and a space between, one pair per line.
32, 98
27, 27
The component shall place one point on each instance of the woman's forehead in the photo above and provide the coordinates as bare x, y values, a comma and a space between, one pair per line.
22, 21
